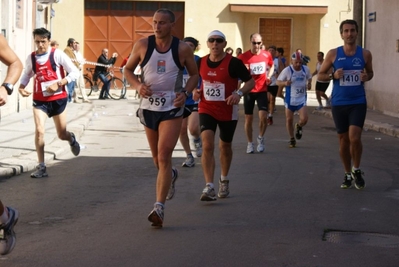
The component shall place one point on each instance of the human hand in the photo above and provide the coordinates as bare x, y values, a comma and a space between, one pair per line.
3, 97
145, 90
338, 74
23, 92
234, 99
179, 100
197, 94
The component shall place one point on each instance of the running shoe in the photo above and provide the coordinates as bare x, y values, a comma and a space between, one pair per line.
189, 162
198, 147
223, 188
347, 183
269, 120
75, 147
319, 108
298, 131
250, 148
40, 172
292, 142
156, 216
358, 177
7, 234
172, 189
261, 144
208, 194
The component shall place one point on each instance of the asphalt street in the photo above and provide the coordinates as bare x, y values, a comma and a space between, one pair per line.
285, 208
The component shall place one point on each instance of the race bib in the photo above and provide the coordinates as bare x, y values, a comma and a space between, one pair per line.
214, 91
159, 101
44, 86
257, 68
350, 78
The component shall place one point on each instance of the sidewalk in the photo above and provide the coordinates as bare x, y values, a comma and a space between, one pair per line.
17, 131
18, 153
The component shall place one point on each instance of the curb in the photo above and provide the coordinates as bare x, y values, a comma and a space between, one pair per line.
27, 162
384, 128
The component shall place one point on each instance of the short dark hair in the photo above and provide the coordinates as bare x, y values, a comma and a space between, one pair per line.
172, 17
348, 21
272, 47
191, 40
321, 53
70, 41
280, 50
42, 32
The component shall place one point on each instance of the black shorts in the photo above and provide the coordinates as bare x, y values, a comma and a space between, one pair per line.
273, 89
188, 109
347, 115
51, 108
152, 119
322, 86
249, 102
226, 128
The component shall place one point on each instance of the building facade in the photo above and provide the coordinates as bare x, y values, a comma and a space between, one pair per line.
310, 25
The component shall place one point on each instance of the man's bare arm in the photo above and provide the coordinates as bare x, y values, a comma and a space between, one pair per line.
325, 68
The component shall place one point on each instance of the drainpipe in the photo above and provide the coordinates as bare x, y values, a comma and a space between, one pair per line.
358, 16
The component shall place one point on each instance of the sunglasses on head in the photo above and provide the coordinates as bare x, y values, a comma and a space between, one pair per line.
218, 40
256, 43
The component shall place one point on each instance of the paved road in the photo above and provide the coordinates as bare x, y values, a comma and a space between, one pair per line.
92, 209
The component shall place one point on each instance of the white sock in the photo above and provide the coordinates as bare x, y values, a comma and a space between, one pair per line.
210, 185
223, 178
4, 216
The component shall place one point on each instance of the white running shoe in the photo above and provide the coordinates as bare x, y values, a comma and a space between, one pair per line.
250, 148
261, 144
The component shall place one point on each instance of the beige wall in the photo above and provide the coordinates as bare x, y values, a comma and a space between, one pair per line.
381, 38
68, 22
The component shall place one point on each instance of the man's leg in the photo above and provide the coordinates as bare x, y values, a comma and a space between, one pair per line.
356, 146
208, 157
226, 156
81, 86
71, 89
40, 118
344, 151
194, 129
289, 122
248, 127
162, 144
185, 142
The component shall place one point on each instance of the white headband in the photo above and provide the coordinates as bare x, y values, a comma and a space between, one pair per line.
216, 33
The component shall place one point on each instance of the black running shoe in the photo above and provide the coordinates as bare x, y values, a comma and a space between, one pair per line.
298, 131
358, 177
347, 183
292, 142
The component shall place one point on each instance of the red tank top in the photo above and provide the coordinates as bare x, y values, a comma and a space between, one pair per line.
216, 86
45, 75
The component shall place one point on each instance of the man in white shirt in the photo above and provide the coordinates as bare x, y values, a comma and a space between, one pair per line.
80, 82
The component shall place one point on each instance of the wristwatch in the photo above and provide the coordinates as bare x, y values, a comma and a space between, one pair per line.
9, 87
59, 83
240, 93
186, 93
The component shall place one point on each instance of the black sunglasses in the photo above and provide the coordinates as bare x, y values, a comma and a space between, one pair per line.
218, 40
256, 43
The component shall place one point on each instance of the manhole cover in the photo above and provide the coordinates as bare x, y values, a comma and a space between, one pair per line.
361, 238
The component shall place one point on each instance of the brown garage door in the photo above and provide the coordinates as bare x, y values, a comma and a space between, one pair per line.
117, 25
276, 32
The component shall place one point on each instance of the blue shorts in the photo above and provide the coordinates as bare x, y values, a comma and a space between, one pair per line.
152, 119
347, 115
226, 128
293, 108
51, 108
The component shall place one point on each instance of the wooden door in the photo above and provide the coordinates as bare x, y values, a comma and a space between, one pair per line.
276, 32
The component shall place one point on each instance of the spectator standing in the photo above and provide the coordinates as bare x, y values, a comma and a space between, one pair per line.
69, 51
101, 71
80, 84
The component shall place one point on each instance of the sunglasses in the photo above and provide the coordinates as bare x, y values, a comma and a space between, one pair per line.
256, 43
218, 40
